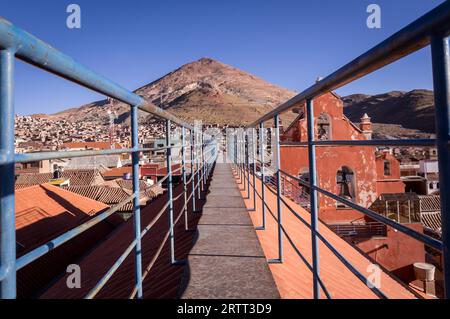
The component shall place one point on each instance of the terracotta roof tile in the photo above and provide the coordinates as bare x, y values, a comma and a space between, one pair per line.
113, 195
89, 145
44, 212
118, 172
76, 176
163, 281
55, 209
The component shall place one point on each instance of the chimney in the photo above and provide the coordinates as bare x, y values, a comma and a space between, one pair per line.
366, 126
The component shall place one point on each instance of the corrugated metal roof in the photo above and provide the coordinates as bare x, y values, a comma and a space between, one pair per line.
101, 162
430, 203
432, 220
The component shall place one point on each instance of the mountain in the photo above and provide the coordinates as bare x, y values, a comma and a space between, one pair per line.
217, 93
412, 110
205, 89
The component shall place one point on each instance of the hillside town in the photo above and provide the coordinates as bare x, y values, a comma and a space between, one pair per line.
40, 133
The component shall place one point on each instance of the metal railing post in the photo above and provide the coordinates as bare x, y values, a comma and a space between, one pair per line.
192, 141
202, 164
278, 176
205, 164
313, 196
247, 161
441, 64
7, 208
254, 166
239, 152
243, 162
136, 205
263, 188
197, 166
183, 165
170, 192
236, 146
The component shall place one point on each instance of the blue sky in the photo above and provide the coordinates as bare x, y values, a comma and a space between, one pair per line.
289, 43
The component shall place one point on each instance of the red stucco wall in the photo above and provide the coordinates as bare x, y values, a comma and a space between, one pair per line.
397, 252
368, 170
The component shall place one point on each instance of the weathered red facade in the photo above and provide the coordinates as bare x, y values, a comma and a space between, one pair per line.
359, 173
363, 163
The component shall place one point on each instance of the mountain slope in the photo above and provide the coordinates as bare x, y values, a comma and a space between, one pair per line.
206, 90
413, 110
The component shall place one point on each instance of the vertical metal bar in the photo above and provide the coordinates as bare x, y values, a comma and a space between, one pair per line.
205, 164
243, 162
409, 211
441, 64
236, 151
183, 164
278, 181
136, 205
192, 139
387, 209
263, 187
247, 160
169, 192
313, 196
197, 160
254, 166
202, 164
7, 208
241, 177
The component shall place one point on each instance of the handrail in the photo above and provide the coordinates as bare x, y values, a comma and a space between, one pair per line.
17, 43
39, 156
346, 263
432, 29
430, 241
399, 142
291, 242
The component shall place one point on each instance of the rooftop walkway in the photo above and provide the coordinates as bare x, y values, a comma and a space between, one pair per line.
293, 277
227, 260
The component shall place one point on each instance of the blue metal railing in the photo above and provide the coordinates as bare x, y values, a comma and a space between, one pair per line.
16, 43
431, 29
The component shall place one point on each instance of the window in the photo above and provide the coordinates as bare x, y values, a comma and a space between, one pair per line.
387, 168
431, 186
345, 180
323, 127
304, 176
